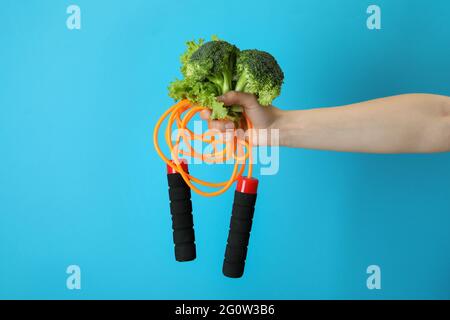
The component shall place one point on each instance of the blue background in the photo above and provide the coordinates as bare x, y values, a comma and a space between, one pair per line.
81, 184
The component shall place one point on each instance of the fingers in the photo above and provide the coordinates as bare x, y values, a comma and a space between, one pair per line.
246, 100
221, 125
205, 114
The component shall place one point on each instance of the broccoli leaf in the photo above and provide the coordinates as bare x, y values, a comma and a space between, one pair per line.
192, 46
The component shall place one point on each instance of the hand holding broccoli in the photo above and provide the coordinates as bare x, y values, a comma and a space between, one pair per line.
262, 117
214, 68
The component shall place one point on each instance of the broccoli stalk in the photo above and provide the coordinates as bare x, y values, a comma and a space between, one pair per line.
242, 81
222, 81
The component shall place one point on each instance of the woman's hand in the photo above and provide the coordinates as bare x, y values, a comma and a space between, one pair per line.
260, 116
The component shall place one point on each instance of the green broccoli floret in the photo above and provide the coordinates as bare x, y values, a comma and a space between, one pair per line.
258, 72
214, 61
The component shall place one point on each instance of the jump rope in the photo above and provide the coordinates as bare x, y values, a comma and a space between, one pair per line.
181, 182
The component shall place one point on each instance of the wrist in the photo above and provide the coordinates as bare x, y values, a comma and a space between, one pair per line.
288, 124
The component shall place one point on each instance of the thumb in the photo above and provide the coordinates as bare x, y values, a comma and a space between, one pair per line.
247, 100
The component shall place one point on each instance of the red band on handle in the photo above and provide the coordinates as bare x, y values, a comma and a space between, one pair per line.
183, 164
247, 185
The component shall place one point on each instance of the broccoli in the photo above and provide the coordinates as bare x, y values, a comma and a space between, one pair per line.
213, 68
208, 72
258, 72
213, 61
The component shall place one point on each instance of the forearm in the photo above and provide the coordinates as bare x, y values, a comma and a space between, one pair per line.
410, 123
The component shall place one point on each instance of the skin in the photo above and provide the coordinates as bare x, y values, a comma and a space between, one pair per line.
410, 123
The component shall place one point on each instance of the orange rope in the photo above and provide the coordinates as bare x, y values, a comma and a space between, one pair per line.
180, 114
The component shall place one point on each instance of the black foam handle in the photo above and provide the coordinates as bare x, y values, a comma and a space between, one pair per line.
182, 219
239, 234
